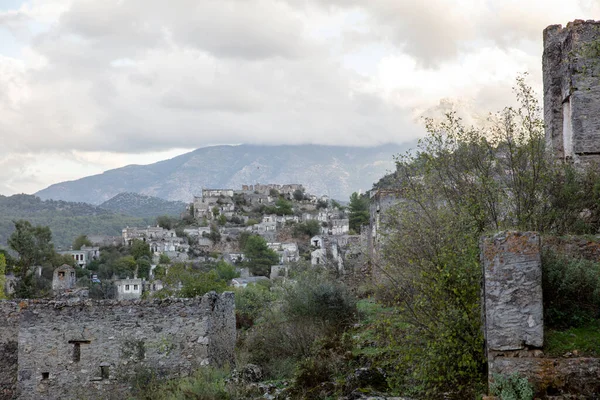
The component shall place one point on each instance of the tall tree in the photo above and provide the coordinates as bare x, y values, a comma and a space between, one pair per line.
80, 241
140, 249
259, 257
33, 243
359, 211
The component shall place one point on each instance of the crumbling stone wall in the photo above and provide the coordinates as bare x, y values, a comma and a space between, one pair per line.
101, 349
571, 66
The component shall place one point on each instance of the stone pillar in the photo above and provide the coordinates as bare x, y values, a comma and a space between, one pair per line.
512, 292
571, 65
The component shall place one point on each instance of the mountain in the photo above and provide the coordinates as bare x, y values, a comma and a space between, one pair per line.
139, 205
336, 171
66, 220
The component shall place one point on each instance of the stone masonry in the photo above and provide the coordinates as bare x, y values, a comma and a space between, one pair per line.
101, 349
512, 286
571, 70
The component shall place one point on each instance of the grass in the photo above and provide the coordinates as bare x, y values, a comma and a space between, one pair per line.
581, 341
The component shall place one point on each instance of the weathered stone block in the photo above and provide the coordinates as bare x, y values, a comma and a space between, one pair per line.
512, 291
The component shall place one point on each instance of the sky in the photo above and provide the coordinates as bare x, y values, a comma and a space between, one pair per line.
91, 85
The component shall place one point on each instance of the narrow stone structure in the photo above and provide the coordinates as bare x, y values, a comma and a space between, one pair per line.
101, 349
512, 292
571, 70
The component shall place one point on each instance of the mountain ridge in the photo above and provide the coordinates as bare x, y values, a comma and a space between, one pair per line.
336, 171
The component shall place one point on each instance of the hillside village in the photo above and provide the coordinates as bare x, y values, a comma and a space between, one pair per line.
300, 228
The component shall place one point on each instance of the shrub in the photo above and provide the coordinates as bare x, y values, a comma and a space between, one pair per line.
571, 290
512, 387
314, 298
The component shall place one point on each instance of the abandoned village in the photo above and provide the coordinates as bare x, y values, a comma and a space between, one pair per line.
77, 346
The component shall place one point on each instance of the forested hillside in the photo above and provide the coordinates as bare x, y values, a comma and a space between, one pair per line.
66, 220
142, 206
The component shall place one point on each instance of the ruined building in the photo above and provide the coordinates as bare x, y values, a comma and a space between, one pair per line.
100, 349
571, 68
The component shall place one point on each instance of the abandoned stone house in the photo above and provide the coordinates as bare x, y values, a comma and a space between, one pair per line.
128, 289
146, 234
200, 231
93, 349
211, 200
63, 278
83, 256
571, 66
338, 226
287, 252
286, 189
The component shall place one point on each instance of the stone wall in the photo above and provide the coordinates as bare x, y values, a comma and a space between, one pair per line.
9, 334
571, 66
101, 349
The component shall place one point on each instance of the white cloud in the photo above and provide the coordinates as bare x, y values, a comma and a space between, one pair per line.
103, 82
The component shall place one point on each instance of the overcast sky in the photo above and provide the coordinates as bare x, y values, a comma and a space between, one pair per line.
90, 85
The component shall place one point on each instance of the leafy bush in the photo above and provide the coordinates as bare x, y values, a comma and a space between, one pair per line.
250, 302
512, 387
308, 311
309, 228
571, 290
318, 299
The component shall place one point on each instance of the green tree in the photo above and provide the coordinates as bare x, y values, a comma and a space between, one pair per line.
298, 195
34, 245
358, 211
166, 222
139, 249
164, 259
2, 276
225, 271
283, 207
80, 241
461, 182
309, 228
258, 256
214, 235
125, 267
143, 267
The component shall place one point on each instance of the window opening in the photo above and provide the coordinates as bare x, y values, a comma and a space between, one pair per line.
104, 371
77, 348
45, 375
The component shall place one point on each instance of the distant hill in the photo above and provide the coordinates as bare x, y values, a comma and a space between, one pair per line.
139, 205
336, 171
66, 220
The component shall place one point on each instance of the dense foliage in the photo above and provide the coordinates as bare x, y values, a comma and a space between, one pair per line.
461, 183
259, 257
66, 220
571, 290
358, 209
